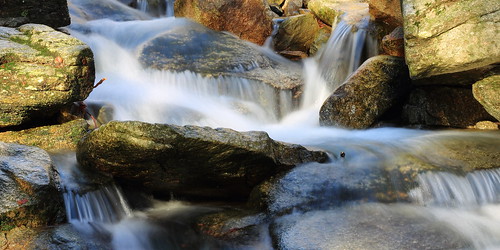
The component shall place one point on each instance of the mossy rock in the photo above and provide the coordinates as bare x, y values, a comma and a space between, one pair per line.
41, 70
51, 138
448, 38
189, 160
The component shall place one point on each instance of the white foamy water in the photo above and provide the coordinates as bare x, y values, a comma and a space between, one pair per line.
185, 97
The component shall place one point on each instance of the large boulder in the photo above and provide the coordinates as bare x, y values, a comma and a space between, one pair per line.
187, 45
297, 33
378, 85
51, 138
189, 160
86, 10
444, 106
451, 38
487, 92
53, 13
29, 188
41, 70
250, 20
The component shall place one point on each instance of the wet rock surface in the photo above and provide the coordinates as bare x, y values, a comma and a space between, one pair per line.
29, 188
189, 160
85, 10
368, 226
191, 46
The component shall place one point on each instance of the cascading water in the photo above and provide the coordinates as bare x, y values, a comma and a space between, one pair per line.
325, 202
169, 12
468, 204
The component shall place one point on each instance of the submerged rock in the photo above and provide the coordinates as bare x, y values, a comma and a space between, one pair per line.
250, 20
378, 85
53, 13
41, 70
56, 137
368, 226
487, 92
444, 106
451, 38
189, 160
191, 46
29, 188
237, 228
375, 171
86, 10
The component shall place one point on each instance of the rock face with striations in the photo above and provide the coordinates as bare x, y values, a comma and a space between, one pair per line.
41, 70
29, 194
451, 38
379, 84
189, 160
53, 13
250, 19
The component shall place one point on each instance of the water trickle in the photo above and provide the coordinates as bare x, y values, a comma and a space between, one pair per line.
142, 5
169, 8
447, 189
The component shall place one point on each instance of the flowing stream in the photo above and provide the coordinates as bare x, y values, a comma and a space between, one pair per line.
444, 209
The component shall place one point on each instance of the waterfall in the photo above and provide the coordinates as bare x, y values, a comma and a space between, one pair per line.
142, 5
89, 197
105, 205
169, 8
343, 53
338, 199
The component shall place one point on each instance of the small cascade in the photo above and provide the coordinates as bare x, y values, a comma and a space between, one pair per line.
142, 5
169, 12
276, 24
345, 50
89, 197
105, 205
446, 189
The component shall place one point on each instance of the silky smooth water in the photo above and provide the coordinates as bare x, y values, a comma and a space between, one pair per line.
466, 205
